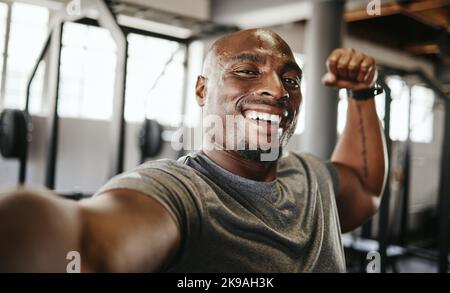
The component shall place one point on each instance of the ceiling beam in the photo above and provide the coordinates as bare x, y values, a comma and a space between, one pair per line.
259, 13
414, 9
361, 14
423, 49
436, 17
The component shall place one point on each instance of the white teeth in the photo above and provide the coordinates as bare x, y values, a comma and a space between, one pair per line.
262, 116
275, 118
251, 114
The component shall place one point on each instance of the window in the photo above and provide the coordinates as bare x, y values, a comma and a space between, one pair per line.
88, 62
3, 19
193, 111
413, 106
155, 78
28, 31
422, 102
399, 108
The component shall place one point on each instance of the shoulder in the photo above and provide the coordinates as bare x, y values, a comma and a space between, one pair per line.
306, 161
168, 165
157, 177
164, 167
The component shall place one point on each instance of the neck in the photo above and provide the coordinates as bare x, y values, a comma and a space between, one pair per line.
235, 164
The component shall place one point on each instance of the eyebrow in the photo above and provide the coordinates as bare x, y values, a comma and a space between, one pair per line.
259, 58
249, 57
293, 66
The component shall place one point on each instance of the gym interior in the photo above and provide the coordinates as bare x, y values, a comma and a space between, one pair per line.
93, 88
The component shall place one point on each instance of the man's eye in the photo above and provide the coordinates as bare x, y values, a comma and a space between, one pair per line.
245, 71
291, 82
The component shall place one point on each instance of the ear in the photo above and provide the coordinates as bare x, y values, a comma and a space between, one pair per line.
200, 90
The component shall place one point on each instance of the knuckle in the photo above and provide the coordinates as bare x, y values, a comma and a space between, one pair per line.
332, 60
354, 64
360, 56
364, 68
371, 60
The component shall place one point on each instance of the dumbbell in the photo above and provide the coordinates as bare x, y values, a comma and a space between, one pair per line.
15, 133
150, 138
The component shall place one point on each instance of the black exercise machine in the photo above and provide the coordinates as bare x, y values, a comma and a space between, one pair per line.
16, 125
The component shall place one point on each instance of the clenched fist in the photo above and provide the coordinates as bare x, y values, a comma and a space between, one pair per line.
350, 69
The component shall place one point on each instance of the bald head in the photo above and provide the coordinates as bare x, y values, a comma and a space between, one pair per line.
242, 41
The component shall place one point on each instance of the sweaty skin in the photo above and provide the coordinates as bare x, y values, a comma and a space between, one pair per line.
126, 231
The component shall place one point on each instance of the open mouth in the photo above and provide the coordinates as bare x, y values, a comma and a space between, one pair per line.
262, 116
268, 123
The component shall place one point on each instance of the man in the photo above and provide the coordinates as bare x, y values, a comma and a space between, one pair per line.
222, 209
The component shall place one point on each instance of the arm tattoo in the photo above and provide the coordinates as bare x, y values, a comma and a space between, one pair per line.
363, 142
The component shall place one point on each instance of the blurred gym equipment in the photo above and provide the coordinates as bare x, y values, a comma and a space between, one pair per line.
150, 139
16, 126
15, 134
391, 251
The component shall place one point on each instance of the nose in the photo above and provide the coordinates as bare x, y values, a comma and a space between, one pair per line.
272, 85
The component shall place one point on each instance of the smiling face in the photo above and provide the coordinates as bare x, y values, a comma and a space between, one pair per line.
252, 75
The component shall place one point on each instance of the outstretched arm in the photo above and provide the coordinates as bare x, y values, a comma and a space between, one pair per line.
118, 231
360, 154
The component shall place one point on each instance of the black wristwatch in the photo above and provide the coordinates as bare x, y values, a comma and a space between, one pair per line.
365, 94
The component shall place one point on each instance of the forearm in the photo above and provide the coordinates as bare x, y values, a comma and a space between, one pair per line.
362, 145
37, 230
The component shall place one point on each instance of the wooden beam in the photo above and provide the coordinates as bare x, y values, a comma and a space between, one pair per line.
423, 49
427, 5
395, 8
436, 18
361, 14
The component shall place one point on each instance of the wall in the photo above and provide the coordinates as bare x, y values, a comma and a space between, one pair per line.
83, 154
199, 9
